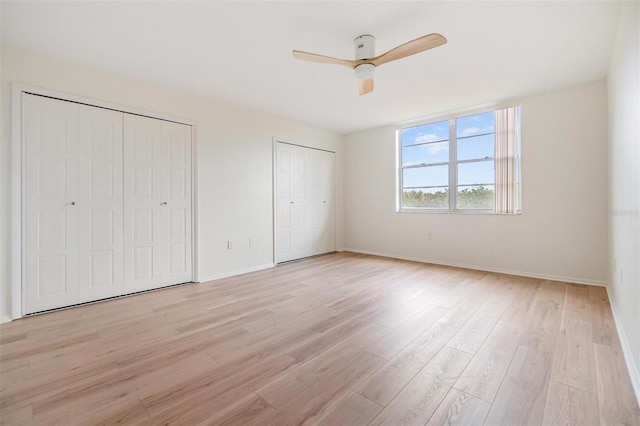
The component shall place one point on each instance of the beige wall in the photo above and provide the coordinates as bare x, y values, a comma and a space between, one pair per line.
562, 233
623, 85
234, 156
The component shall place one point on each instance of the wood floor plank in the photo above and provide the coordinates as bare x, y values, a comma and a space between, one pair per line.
475, 331
192, 401
340, 339
315, 373
19, 414
542, 329
553, 291
323, 386
573, 364
604, 327
522, 396
420, 398
458, 408
520, 306
617, 403
567, 405
309, 348
460, 313
252, 410
351, 410
484, 374
578, 300
405, 333
389, 380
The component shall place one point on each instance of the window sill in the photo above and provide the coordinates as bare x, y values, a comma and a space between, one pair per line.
461, 212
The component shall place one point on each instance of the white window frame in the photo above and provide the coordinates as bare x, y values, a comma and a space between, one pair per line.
453, 162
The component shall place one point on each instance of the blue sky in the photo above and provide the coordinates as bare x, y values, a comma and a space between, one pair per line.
470, 146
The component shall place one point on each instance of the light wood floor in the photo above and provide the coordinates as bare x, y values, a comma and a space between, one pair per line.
341, 339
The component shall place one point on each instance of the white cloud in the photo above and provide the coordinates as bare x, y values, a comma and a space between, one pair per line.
428, 137
437, 148
470, 131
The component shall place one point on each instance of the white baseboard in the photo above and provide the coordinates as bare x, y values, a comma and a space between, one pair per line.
238, 272
634, 374
484, 268
4, 318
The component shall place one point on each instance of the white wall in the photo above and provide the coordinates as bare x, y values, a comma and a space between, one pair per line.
623, 83
234, 158
562, 233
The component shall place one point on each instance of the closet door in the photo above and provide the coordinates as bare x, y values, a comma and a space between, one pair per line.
157, 203
50, 139
100, 204
176, 215
292, 240
305, 210
322, 196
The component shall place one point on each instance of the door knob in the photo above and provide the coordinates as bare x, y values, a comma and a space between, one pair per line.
164, 203
291, 202
73, 203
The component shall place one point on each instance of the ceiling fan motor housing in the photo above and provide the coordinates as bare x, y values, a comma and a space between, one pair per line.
365, 49
365, 46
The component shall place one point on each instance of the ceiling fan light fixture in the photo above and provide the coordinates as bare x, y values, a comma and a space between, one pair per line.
366, 62
365, 71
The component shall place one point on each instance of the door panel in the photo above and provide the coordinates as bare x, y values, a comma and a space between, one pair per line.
100, 203
157, 203
305, 210
50, 137
176, 213
323, 226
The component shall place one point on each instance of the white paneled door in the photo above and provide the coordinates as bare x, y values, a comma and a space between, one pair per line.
107, 199
305, 209
50, 132
100, 203
157, 203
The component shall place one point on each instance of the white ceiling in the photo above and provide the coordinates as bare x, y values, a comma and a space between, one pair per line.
240, 52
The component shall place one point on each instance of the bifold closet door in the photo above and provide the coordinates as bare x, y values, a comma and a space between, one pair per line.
322, 217
305, 210
50, 139
100, 203
73, 200
157, 203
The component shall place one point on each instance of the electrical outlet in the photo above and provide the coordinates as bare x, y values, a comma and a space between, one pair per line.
430, 236
250, 242
229, 245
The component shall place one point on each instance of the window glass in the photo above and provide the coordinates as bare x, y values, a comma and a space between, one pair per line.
420, 177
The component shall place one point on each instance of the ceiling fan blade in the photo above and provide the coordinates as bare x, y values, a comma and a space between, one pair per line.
313, 57
366, 86
410, 48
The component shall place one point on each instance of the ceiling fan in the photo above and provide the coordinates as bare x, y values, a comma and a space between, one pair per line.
366, 63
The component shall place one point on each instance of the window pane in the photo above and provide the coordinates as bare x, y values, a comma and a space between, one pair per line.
426, 133
476, 147
425, 176
476, 197
425, 154
476, 173
476, 124
434, 198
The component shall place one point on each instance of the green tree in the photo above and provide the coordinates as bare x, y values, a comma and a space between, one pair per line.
477, 197
418, 198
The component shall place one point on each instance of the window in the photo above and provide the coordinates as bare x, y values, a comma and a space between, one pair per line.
468, 163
